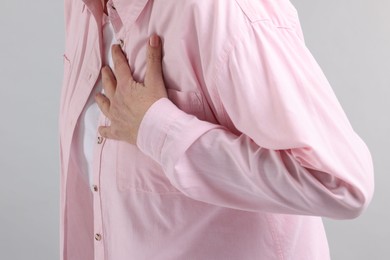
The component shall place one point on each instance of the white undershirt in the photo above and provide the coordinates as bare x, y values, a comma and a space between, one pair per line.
86, 133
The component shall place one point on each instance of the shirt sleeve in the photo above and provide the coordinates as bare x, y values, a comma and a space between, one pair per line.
295, 151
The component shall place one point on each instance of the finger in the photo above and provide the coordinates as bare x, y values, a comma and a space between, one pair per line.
104, 104
154, 66
109, 82
122, 69
105, 131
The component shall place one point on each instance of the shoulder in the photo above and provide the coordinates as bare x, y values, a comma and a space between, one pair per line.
241, 13
281, 13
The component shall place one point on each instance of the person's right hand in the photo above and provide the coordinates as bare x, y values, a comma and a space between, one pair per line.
126, 101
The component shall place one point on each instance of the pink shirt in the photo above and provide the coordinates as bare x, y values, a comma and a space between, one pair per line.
250, 149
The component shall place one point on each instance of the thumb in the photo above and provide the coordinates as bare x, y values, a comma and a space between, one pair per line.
154, 74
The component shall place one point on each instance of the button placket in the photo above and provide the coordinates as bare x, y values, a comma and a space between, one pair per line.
96, 189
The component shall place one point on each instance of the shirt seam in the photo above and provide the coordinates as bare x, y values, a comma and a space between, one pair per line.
275, 237
231, 46
222, 61
253, 20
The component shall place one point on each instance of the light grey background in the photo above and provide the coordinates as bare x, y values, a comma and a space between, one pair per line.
350, 39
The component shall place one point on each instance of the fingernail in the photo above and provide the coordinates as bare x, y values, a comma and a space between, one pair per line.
154, 40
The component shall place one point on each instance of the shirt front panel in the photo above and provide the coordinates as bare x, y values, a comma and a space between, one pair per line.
138, 213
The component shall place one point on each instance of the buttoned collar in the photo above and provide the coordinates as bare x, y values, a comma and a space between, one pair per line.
128, 10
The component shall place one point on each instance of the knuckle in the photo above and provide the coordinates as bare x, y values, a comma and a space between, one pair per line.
133, 85
102, 131
154, 56
117, 63
115, 132
105, 77
129, 82
105, 70
99, 100
104, 102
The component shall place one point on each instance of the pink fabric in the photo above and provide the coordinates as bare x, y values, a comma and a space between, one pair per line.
249, 151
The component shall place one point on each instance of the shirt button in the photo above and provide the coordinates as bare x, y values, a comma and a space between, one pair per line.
100, 140
98, 237
95, 188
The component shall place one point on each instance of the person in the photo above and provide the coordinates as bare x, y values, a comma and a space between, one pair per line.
200, 130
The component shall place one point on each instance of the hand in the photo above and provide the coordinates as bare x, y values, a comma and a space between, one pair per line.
126, 101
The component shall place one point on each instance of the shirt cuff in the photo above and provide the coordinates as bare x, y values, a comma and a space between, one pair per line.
155, 125
166, 132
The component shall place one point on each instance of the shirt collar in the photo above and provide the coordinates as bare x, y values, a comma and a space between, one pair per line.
128, 10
